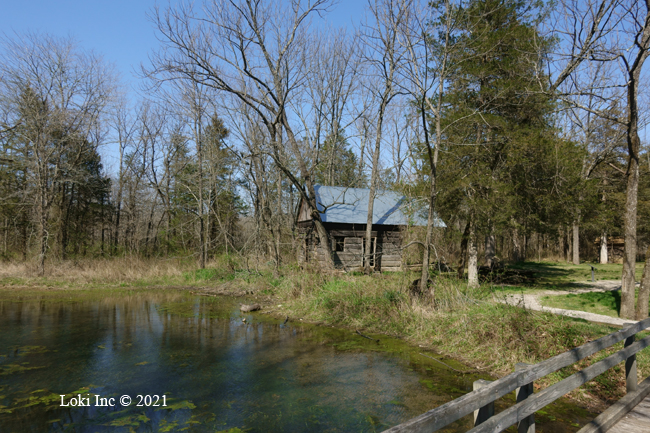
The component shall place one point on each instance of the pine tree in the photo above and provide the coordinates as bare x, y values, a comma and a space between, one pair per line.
490, 117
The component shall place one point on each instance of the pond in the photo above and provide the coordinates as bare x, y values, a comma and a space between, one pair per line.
190, 363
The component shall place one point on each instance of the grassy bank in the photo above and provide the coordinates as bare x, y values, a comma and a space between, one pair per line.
465, 324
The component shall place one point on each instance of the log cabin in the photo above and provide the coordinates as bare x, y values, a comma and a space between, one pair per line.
344, 213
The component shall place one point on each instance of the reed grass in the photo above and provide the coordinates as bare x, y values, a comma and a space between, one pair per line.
117, 270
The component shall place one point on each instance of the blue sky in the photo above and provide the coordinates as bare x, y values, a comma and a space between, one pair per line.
117, 29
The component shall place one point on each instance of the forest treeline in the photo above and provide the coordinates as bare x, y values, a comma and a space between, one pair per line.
517, 122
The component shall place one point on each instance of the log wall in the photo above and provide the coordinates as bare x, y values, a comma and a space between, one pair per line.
386, 246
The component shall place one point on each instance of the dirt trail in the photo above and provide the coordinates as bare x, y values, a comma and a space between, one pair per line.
531, 301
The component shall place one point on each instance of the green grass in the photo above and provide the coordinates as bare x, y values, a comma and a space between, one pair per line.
605, 303
563, 276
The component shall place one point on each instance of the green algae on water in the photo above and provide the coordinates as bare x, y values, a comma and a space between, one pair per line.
16, 368
218, 373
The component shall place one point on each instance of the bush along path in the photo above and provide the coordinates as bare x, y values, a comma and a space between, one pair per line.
532, 302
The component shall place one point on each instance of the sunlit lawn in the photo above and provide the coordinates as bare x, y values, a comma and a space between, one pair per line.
606, 303
561, 276
564, 277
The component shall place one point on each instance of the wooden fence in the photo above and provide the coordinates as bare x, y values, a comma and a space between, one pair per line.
481, 399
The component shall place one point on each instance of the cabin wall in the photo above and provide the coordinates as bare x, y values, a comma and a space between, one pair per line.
391, 258
347, 243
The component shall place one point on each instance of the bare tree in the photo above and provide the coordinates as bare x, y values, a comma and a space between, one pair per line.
58, 94
123, 125
384, 57
425, 73
256, 53
615, 31
326, 111
589, 129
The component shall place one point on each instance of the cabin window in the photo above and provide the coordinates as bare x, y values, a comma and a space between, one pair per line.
339, 243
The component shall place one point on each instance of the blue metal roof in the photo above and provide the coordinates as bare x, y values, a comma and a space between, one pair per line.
350, 205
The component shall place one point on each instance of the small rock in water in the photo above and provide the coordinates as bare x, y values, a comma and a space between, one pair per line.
247, 308
243, 320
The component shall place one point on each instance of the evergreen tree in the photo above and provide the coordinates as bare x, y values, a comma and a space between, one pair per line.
337, 165
492, 120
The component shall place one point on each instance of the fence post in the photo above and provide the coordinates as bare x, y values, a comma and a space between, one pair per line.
483, 414
526, 425
630, 364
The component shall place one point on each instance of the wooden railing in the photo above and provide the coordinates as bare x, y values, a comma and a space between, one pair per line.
481, 399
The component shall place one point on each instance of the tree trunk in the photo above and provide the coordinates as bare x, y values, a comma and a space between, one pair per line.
516, 247
433, 192
149, 228
632, 173
24, 236
576, 243
603, 249
292, 214
463, 250
199, 151
644, 290
371, 204
362, 152
628, 282
472, 262
41, 256
424, 277
101, 249
118, 210
278, 227
490, 249
524, 255
569, 245
373, 189
6, 235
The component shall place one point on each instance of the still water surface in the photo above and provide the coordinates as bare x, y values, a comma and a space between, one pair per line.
216, 372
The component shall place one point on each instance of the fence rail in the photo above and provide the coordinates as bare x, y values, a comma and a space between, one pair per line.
481, 400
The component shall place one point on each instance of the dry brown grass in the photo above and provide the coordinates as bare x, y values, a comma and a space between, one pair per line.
110, 271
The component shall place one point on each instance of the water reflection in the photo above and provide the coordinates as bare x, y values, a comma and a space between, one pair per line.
216, 372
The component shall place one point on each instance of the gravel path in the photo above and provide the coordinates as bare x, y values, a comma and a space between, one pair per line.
531, 301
